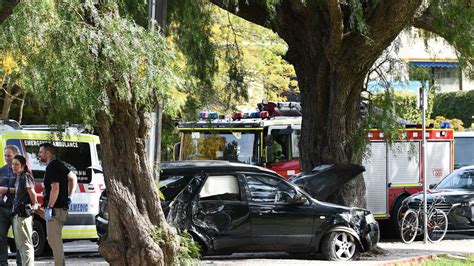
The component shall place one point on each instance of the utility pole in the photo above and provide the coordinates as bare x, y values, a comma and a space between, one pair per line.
423, 105
157, 12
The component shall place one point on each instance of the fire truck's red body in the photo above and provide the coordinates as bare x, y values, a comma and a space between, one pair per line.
270, 139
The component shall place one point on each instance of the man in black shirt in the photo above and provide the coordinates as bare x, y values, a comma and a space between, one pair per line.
59, 186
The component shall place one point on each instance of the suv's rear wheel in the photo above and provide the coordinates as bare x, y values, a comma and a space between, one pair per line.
339, 245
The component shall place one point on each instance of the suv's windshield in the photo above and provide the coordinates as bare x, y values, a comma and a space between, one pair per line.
241, 146
458, 179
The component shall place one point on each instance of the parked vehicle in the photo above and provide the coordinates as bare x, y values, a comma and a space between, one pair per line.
463, 149
270, 138
80, 154
412, 222
457, 193
232, 207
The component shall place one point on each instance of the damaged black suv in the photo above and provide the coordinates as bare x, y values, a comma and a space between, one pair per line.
230, 207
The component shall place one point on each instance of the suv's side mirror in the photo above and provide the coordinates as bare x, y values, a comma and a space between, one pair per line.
176, 150
432, 186
298, 199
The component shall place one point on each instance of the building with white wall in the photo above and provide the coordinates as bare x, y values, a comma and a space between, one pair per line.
433, 55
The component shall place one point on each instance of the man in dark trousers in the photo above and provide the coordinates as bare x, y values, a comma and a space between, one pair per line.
59, 186
7, 194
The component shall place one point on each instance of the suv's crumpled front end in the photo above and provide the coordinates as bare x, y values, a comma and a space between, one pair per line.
324, 180
369, 229
358, 222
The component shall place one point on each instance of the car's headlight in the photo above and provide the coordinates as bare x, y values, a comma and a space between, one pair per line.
369, 218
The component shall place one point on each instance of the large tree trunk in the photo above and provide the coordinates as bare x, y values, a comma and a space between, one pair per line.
331, 66
138, 233
331, 113
331, 60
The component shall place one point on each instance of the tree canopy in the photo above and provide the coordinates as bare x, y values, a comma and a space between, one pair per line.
62, 69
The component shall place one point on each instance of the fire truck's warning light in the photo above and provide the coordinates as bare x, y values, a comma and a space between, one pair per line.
212, 116
255, 115
201, 115
445, 124
264, 114
206, 115
237, 116
280, 108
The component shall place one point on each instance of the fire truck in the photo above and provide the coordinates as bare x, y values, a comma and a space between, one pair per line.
269, 137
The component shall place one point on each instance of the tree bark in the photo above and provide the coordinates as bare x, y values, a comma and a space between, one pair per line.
22, 106
7, 9
7, 100
133, 198
331, 61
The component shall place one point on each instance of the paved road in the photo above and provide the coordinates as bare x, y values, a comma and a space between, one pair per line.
85, 252
77, 253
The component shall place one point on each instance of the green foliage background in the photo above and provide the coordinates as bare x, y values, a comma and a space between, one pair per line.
75, 53
455, 105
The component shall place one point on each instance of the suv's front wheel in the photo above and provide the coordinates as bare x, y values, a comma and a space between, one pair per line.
339, 245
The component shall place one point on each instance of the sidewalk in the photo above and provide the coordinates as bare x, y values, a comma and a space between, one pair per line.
396, 253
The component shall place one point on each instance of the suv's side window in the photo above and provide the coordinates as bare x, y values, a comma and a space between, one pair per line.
171, 186
266, 189
224, 187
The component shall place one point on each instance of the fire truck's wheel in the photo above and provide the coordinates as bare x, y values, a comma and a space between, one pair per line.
339, 245
38, 237
396, 215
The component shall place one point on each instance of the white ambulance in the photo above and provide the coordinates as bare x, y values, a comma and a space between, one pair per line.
80, 153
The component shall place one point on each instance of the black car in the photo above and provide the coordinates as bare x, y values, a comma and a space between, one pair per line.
230, 207
456, 191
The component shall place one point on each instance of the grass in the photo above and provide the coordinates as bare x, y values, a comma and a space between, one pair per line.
450, 260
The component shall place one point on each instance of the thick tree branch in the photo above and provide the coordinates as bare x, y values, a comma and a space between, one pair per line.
253, 11
6, 9
337, 28
384, 22
426, 21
